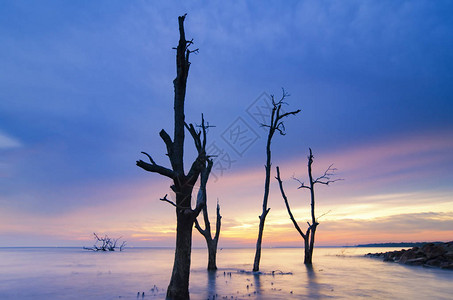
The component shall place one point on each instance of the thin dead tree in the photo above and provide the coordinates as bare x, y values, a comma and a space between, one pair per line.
276, 124
211, 242
183, 183
309, 235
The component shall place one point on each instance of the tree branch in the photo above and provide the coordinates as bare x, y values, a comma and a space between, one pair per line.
276, 123
150, 158
289, 113
329, 181
108, 244
155, 168
201, 197
218, 222
198, 227
200, 143
169, 201
280, 183
197, 166
264, 214
195, 135
165, 199
168, 142
302, 184
329, 211
325, 178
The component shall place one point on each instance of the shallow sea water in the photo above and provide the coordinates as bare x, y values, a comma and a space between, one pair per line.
337, 273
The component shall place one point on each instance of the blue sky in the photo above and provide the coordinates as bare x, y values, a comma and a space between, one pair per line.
85, 86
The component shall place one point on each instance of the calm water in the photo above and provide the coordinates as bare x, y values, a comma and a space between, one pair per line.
338, 273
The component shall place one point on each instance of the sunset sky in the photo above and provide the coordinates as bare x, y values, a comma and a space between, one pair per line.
85, 86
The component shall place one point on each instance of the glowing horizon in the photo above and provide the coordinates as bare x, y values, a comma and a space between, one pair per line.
349, 218
83, 93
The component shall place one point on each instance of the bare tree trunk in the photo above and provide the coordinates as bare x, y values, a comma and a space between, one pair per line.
256, 263
206, 233
311, 246
314, 224
275, 125
179, 282
307, 250
212, 256
182, 184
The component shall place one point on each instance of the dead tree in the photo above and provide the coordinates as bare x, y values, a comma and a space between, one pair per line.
182, 183
276, 124
106, 244
309, 235
202, 193
206, 232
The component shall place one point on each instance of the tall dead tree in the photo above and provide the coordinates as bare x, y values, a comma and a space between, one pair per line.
276, 124
309, 235
211, 242
182, 183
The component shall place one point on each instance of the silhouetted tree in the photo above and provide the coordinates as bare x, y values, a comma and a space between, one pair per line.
106, 244
309, 235
210, 241
202, 197
182, 183
276, 124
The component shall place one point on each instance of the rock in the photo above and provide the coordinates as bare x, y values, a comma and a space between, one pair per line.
415, 261
438, 255
408, 255
434, 250
437, 262
390, 256
448, 266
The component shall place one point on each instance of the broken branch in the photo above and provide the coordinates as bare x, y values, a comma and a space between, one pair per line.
280, 183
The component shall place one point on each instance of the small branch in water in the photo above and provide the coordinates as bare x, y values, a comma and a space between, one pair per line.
273, 273
106, 244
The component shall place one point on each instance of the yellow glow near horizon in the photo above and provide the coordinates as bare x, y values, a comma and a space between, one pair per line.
358, 213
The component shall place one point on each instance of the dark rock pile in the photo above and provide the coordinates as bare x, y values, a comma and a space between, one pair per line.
437, 255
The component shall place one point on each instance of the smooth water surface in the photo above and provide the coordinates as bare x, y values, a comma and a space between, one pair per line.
337, 273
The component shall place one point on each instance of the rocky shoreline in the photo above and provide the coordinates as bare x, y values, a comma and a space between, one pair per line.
434, 255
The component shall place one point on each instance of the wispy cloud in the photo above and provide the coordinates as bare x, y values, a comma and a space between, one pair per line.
7, 142
424, 226
399, 223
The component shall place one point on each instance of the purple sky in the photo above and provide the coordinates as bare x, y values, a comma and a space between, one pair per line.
86, 85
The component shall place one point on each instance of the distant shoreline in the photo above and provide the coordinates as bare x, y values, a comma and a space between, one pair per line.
373, 245
402, 244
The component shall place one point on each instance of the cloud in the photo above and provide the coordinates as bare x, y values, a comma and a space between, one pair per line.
132, 209
87, 92
414, 227
387, 164
425, 226
7, 142
400, 223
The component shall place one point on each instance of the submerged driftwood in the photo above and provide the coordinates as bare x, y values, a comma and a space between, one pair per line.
106, 244
437, 255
